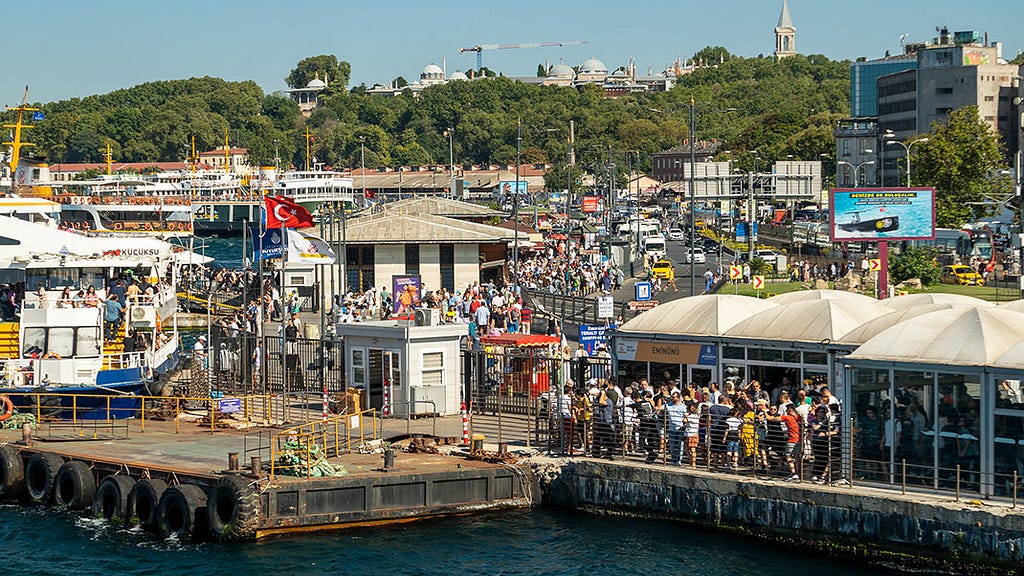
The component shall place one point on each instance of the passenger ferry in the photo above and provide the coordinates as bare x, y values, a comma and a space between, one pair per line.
126, 205
310, 188
52, 285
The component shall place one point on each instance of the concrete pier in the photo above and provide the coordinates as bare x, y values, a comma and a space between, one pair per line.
930, 531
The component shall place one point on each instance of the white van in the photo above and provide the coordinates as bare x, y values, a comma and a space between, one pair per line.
655, 246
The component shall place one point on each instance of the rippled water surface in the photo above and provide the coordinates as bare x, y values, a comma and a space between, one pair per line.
37, 540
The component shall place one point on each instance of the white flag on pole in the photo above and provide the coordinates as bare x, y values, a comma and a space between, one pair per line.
308, 249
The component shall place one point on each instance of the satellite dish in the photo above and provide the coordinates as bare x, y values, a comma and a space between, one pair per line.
903, 38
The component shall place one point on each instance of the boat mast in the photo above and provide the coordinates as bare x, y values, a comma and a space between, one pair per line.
227, 153
16, 142
109, 157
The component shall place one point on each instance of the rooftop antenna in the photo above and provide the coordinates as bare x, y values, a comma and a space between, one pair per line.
903, 38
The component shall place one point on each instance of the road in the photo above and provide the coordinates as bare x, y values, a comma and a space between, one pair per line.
676, 252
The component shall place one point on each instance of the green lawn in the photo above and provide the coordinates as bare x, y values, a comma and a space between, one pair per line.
1001, 294
984, 292
771, 289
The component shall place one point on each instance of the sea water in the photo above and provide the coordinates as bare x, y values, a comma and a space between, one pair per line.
39, 540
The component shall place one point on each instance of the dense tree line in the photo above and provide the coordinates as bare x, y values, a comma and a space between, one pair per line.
777, 109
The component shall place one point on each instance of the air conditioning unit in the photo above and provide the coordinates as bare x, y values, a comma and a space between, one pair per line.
142, 317
426, 317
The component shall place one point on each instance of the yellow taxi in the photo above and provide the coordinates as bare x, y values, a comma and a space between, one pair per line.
962, 275
663, 269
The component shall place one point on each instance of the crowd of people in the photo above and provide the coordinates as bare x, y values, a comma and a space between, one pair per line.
786, 431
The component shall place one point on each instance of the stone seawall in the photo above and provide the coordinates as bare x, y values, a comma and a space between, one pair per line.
923, 530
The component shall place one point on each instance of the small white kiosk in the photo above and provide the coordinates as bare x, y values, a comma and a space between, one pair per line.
411, 366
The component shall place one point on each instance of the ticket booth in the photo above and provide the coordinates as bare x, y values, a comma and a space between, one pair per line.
404, 368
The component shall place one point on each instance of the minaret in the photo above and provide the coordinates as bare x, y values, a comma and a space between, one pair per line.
785, 35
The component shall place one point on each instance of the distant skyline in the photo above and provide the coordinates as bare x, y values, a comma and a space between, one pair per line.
69, 48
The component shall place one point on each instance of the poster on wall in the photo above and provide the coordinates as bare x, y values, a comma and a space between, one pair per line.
873, 214
405, 293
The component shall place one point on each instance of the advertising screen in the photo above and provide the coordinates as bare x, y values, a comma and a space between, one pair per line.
873, 214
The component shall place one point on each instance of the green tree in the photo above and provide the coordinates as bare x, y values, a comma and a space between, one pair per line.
962, 160
915, 262
325, 66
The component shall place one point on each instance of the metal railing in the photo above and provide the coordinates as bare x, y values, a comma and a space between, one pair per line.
84, 410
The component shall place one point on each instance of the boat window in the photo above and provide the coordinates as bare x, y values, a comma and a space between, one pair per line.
52, 278
34, 340
92, 277
88, 341
61, 341
5, 241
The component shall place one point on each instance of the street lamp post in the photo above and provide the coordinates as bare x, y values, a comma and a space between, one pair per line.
856, 168
515, 207
890, 140
693, 189
450, 132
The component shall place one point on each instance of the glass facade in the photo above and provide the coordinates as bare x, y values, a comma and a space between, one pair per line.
930, 429
864, 83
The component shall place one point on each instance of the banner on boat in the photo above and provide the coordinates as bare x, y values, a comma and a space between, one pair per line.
873, 214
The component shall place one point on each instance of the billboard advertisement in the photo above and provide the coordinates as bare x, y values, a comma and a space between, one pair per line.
508, 187
873, 214
405, 294
591, 204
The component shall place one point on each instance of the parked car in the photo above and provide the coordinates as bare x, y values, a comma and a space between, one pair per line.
697, 256
769, 256
663, 269
962, 275
676, 233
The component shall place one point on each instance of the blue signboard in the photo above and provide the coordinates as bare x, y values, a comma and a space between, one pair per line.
741, 231
643, 291
37, 116
266, 245
708, 355
230, 405
591, 337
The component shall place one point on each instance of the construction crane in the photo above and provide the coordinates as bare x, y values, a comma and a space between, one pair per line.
479, 48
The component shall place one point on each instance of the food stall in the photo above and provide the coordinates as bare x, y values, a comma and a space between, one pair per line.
521, 364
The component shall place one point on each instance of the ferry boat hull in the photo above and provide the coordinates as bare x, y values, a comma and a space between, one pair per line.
117, 394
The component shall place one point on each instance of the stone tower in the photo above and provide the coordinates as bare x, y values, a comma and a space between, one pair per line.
785, 35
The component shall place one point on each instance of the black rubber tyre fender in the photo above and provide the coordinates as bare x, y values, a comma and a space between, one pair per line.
74, 486
12, 472
233, 509
111, 501
143, 501
41, 475
182, 512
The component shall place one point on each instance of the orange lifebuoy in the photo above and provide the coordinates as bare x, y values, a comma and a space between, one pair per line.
8, 408
118, 226
53, 355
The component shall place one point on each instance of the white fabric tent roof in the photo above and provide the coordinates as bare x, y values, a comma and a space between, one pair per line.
1015, 305
959, 300
806, 295
815, 320
705, 315
872, 328
955, 337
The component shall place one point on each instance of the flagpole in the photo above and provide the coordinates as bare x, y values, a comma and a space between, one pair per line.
284, 356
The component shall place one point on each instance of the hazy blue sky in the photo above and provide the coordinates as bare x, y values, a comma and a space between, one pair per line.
67, 48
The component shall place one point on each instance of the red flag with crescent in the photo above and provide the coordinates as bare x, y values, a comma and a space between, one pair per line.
286, 213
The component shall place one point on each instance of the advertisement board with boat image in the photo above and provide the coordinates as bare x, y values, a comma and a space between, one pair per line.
872, 214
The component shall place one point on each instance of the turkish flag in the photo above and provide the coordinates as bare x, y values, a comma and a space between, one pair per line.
369, 194
286, 213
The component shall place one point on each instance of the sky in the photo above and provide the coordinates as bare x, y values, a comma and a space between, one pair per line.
74, 48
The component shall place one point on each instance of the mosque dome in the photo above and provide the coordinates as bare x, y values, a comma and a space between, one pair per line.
458, 76
432, 71
561, 71
593, 66
316, 83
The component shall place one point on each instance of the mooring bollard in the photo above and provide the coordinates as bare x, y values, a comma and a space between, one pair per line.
502, 448
233, 461
256, 466
389, 459
26, 433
